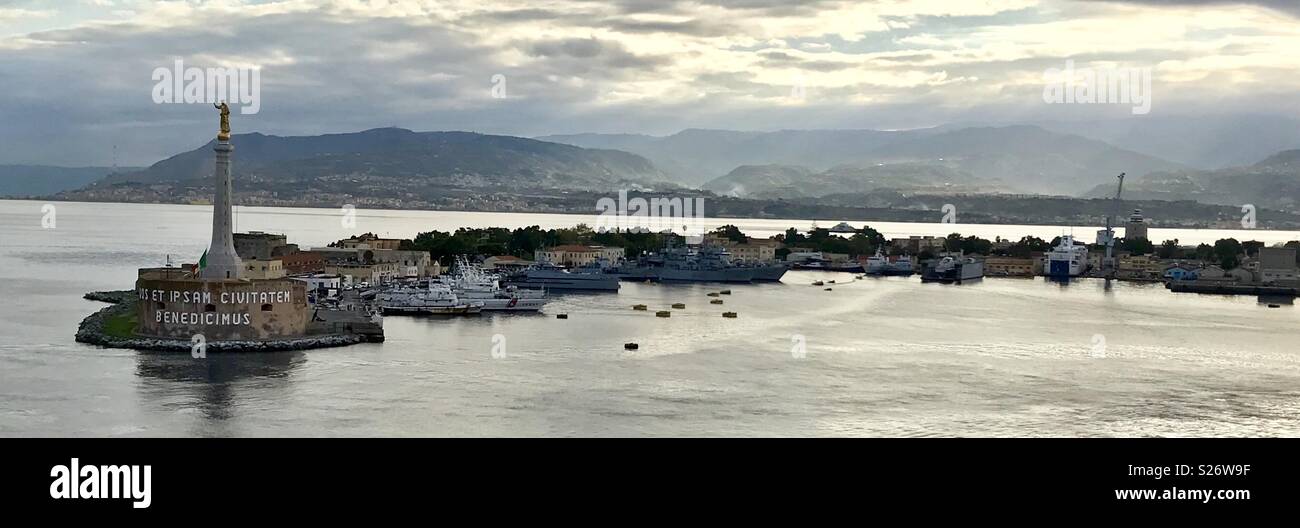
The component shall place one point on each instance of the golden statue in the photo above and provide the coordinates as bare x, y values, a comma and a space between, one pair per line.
224, 135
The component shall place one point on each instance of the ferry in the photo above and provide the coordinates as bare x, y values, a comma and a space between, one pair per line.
1067, 259
950, 270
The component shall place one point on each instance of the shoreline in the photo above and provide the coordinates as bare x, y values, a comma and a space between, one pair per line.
594, 212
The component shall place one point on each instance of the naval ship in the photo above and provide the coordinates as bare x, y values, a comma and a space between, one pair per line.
704, 263
879, 264
591, 277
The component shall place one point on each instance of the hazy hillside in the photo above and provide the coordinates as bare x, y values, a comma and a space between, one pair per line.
36, 180
780, 181
696, 156
1024, 158
1208, 142
1271, 183
436, 158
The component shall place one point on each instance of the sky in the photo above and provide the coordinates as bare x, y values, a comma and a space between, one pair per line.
79, 87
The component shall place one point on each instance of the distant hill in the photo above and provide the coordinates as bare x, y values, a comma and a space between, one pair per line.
457, 159
1023, 158
37, 180
1273, 182
1203, 142
782, 181
1026, 158
696, 156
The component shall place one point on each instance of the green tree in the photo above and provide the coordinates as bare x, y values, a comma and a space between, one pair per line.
1169, 249
730, 232
1227, 252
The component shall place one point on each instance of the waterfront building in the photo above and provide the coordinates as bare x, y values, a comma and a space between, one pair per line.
1180, 271
506, 262
1277, 265
256, 269
370, 241
574, 255
1136, 227
264, 246
303, 262
356, 273
914, 245
1141, 266
752, 249
320, 281
1011, 266
410, 263
1212, 272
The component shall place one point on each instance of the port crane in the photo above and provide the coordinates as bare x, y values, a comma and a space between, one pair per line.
1107, 236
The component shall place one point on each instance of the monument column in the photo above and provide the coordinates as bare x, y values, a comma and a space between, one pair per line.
222, 261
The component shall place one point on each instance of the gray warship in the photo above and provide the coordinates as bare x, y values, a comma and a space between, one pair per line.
703, 263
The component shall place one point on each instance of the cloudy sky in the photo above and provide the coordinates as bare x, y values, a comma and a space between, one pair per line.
77, 73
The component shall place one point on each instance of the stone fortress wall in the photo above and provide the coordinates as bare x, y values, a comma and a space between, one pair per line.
172, 304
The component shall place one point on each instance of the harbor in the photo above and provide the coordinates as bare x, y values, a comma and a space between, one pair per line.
878, 356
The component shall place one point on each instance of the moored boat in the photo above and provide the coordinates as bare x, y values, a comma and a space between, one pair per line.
953, 270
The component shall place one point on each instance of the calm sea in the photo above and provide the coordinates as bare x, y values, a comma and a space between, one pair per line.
880, 357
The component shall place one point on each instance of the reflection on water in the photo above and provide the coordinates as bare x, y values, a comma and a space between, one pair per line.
217, 369
213, 385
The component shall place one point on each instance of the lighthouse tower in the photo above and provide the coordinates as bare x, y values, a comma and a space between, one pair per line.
222, 261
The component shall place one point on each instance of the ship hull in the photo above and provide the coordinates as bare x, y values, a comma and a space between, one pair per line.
597, 284
738, 275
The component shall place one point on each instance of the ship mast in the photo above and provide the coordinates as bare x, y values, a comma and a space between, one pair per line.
1108, 265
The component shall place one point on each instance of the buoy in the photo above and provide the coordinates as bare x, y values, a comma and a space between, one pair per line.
832, 282
631, 346
679, 306
561, 316
725, 292
716, 301
818, 283
663, 313
713, 294
729, 315
641, 307
828, 289
1274, 306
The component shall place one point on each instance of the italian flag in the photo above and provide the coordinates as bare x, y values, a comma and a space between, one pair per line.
203, 263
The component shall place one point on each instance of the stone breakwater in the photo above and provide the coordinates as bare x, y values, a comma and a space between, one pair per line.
111, 297
93, 331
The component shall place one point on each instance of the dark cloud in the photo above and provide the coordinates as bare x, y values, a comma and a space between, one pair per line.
73, 94
582, 55
786, 60
1287, 6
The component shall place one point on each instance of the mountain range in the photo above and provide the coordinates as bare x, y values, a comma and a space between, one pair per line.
1273, 182
1019, 158
399, 168
39, 180
463, 159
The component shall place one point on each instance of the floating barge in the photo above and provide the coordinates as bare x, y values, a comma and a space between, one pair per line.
1227, 288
